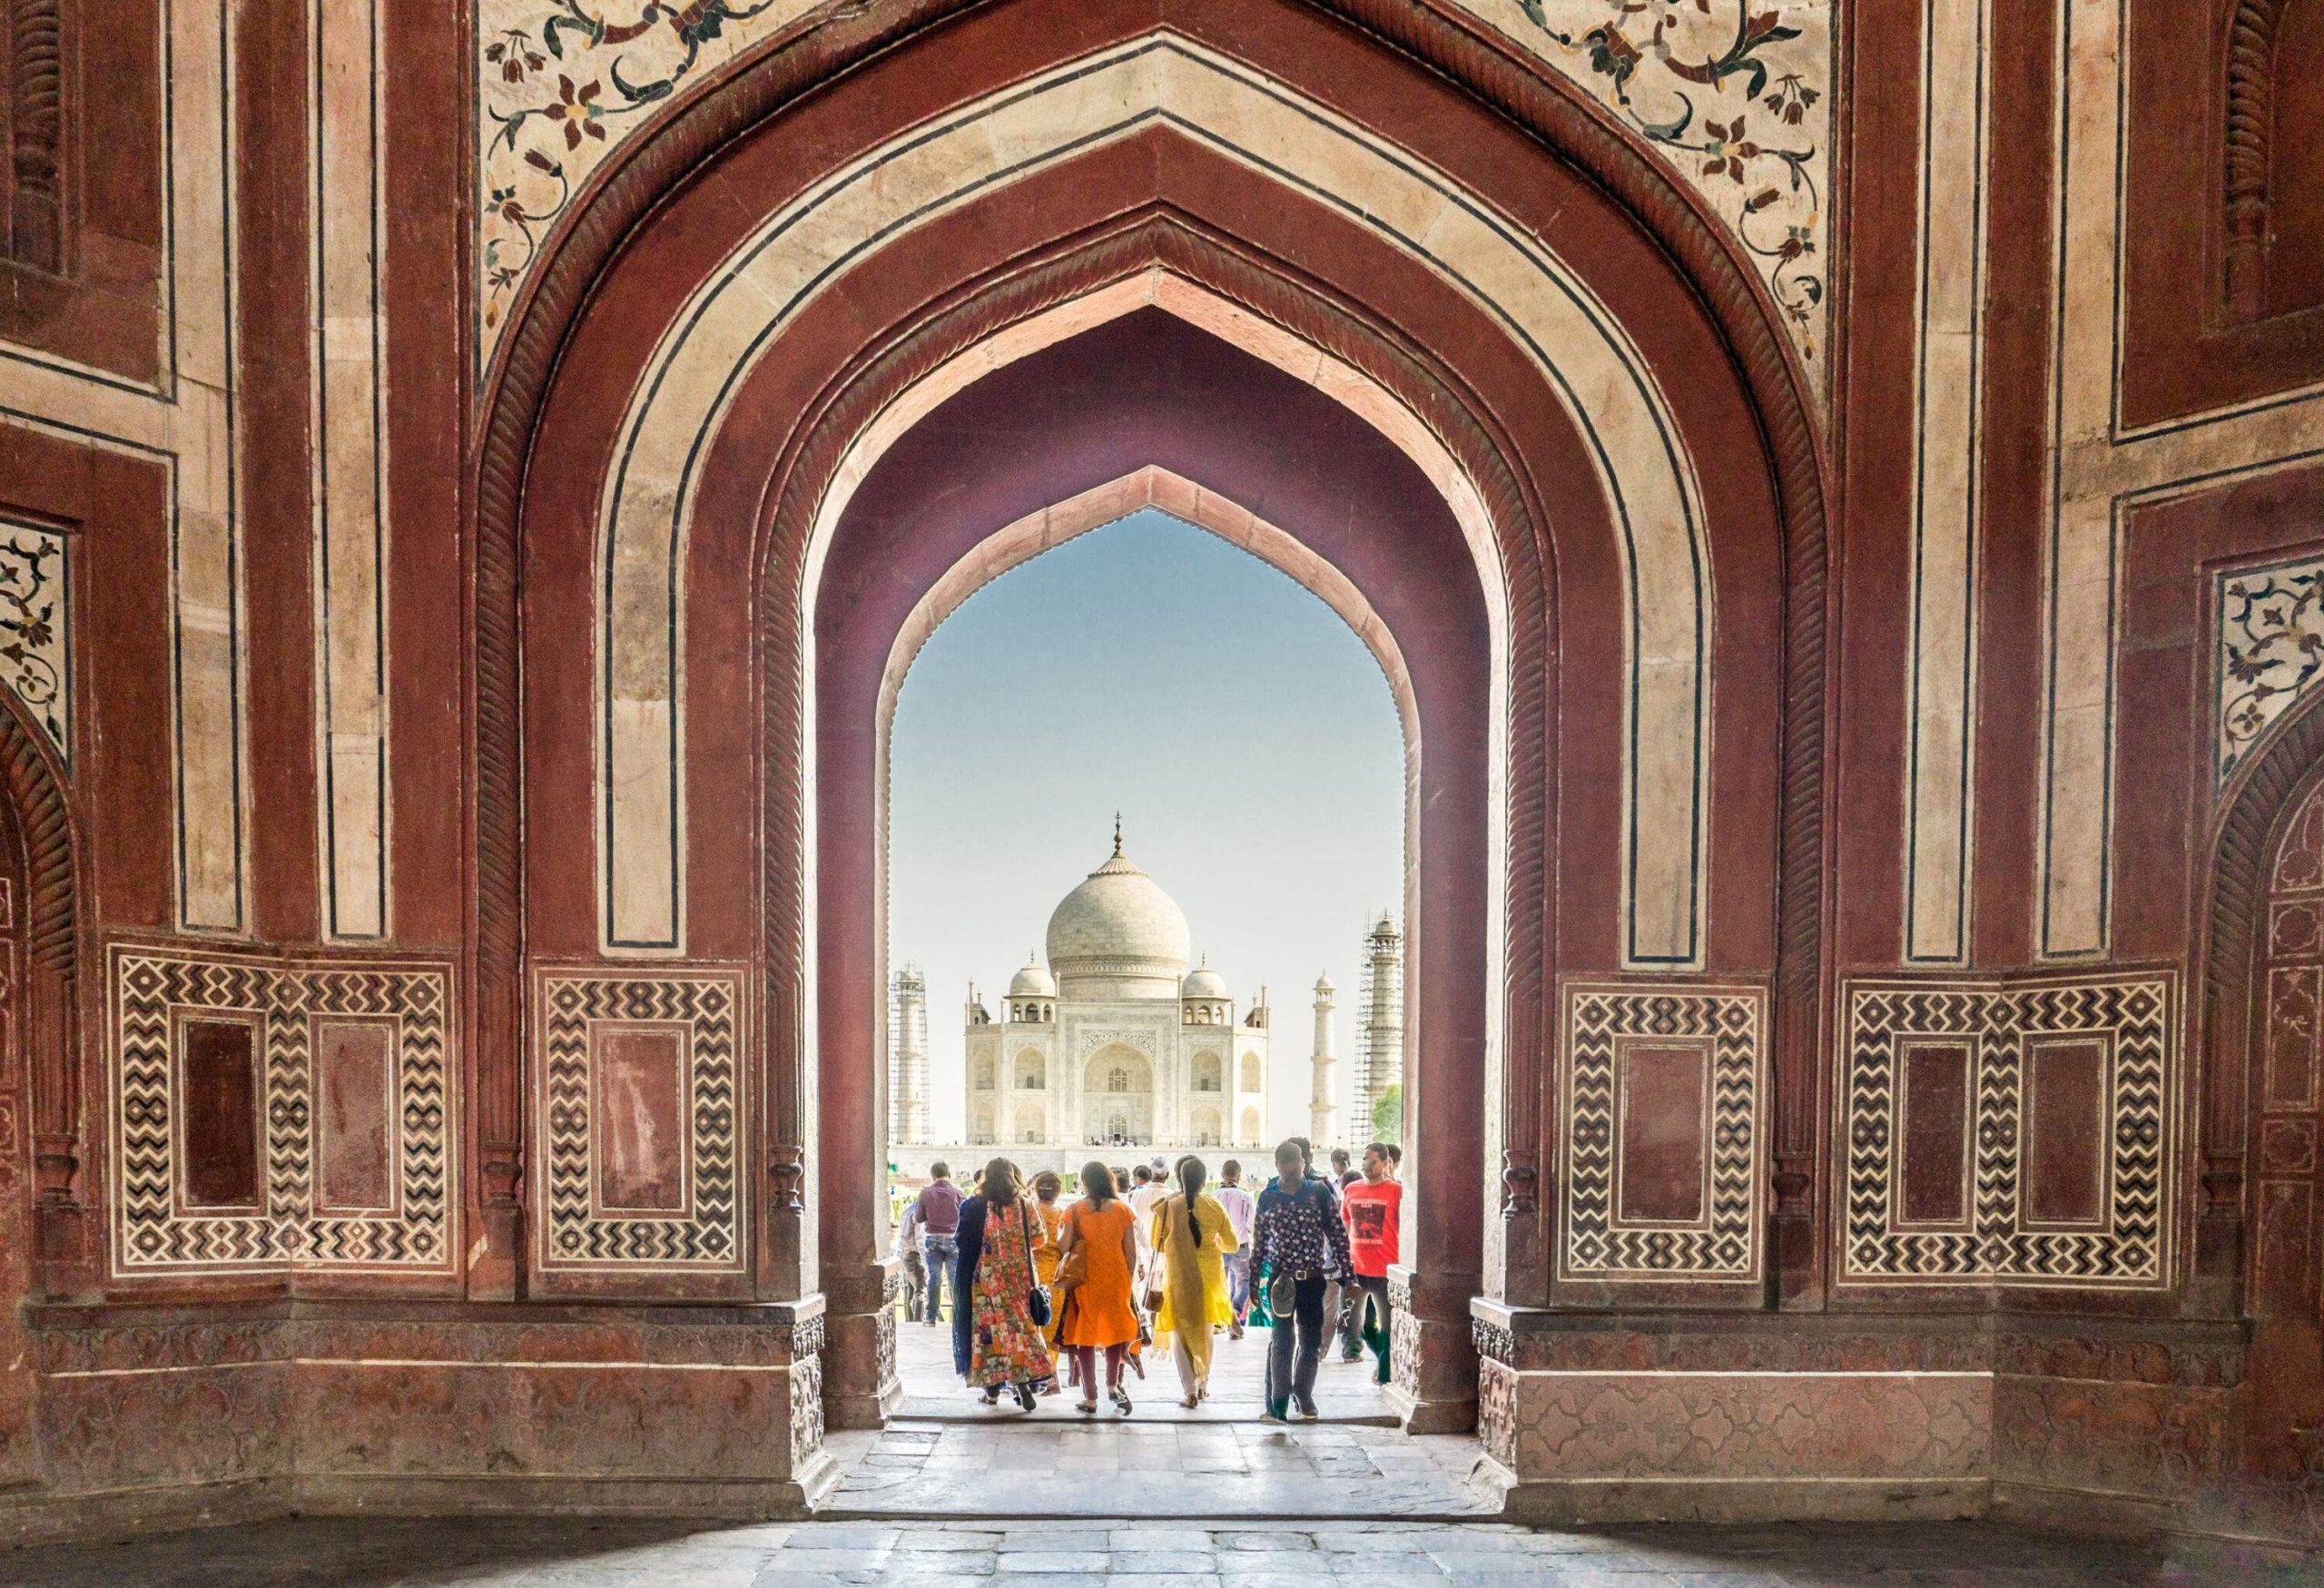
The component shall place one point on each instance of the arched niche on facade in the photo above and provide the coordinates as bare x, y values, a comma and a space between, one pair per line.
793, 482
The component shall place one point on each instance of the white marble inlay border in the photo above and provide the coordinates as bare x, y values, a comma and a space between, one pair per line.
351, 495
1948, 446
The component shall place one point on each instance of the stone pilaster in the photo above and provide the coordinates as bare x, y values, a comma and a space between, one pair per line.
1433, 1359
860, 1385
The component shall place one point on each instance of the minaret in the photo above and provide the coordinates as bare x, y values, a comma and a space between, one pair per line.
1319, 1100
908, 1064
1381, 1062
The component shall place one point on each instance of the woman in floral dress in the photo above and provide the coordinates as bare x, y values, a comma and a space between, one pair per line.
1004, 1346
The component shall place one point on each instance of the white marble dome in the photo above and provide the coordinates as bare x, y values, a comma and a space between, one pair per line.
1205, 982
1119, 935
1032, 982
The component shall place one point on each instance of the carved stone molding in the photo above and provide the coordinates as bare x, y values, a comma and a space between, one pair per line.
786, 1173
806, 1410
1494, 1343
1521, 1183
805, 1337
37, 214
2251, 129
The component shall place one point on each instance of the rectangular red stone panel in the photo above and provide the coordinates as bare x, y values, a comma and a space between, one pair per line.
2065, 1134
637, 1117
218, 1115
2282, 1283
1933, 1130
355, 1116
1662, 1147
2292, 1000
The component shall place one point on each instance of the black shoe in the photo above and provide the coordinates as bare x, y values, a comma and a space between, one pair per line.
1121, 1400
1025, 1397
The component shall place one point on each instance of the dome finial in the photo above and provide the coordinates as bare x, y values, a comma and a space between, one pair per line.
1117, 835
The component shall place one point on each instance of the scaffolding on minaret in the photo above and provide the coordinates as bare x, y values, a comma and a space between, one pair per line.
908, 1058
1380, 1039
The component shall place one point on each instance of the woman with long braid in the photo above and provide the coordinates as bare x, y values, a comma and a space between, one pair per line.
1191, 1237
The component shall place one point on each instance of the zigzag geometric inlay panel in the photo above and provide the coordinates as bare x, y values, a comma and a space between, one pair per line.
613, 1202
1662, 1173
162, 1222
2043, 1203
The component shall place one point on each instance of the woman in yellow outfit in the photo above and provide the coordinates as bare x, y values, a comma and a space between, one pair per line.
1047, 1185
1192, 1236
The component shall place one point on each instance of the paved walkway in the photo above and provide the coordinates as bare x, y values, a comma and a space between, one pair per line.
947, 1457
1344, 1391
377, 1552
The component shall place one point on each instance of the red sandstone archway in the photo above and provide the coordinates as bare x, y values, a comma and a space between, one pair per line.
1350, 516
44, 1185
2259, 1246
754, 660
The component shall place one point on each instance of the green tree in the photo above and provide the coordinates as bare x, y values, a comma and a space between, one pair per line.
1388, 1116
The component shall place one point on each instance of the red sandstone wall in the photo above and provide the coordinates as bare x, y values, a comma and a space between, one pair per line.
2203, 455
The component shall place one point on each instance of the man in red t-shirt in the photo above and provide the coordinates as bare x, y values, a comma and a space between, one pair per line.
1374, 1209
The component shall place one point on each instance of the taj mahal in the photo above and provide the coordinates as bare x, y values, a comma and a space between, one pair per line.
1125, 1041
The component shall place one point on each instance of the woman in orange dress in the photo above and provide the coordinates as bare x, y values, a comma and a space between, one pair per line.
1099, 1257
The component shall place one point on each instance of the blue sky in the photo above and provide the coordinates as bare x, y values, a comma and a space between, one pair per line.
1243, 731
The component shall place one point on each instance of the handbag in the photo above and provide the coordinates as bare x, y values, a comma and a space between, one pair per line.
1037, 1300
1152, 1300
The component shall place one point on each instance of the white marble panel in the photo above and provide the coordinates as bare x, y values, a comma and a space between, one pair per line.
1955, 90
351, 470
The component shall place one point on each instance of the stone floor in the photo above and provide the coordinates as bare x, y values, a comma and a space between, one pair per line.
945, 1456
1030, 1469
1344, 1391
379, 1552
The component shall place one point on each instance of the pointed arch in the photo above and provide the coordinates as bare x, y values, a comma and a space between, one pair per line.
1204, 219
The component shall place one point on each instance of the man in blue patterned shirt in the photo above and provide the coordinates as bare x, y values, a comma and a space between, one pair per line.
1298, 1246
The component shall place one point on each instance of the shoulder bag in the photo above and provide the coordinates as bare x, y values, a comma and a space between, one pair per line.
1037, 1300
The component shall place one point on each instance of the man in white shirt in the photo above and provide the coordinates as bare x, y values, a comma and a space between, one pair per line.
1240, 1206
1147, 1189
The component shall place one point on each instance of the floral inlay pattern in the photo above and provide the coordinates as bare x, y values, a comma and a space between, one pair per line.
559, 85
1737, 95
34, 657
2270, 651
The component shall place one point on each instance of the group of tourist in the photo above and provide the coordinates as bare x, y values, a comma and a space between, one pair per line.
1044, 1294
